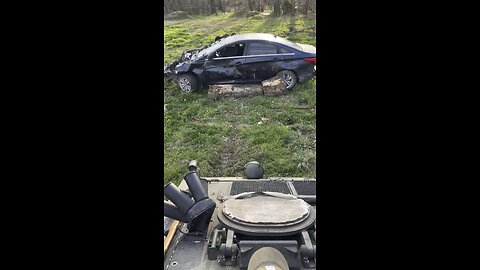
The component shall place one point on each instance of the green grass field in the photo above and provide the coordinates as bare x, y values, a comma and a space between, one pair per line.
224, 134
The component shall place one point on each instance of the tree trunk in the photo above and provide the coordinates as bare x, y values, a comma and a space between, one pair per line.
220, 6
250, 5
229, 90
305, 7
271, 87
169, 6
274, 87
207, 9
166, 9
276, 7
286, 8
212, 7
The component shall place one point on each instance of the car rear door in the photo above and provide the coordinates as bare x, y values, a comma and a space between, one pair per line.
263, 60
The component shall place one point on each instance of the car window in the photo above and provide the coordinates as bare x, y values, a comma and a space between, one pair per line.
282, 50
257, 48
229, 51
288, 43
213, 47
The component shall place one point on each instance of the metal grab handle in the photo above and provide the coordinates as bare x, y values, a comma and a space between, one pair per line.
267, 193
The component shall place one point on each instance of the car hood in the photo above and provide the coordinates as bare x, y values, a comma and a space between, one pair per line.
191, 55
187, 57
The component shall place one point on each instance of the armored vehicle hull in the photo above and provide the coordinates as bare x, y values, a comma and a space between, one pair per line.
232, 234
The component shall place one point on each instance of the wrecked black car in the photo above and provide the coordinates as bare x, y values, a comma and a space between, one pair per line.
243, 58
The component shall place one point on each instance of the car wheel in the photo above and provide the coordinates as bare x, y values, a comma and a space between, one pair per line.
289, 78
187, 83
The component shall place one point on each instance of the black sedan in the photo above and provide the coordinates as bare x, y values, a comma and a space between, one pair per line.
244, 58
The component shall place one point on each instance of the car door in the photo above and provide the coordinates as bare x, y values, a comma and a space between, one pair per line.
263, 60
224, 65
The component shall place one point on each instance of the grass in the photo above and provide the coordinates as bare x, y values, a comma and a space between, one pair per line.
224, 134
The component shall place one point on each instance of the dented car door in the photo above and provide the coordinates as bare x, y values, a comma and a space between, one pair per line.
226, 65
224, 70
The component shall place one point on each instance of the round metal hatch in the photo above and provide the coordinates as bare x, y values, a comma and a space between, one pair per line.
266, 213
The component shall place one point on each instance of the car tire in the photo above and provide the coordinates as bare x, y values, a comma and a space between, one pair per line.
187, 83
289, 77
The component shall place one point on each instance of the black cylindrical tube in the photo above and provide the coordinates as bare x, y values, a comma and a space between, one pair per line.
192, 165
195, 186
180, 199
204, 184
171, 211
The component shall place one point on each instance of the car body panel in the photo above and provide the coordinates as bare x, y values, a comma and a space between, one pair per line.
264, 67
224, 70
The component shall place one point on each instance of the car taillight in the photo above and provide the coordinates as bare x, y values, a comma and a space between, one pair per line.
311, 60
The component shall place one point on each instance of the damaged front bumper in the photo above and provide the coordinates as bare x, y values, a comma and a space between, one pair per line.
169, 73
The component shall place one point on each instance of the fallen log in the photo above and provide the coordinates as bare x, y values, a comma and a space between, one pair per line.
234, 90
271, 87
274, 87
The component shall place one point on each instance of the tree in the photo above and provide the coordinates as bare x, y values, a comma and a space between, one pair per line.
259, 6
166, 9
287, 7
276, 8
213, 9
221, 6
250, 5
313, 5
305, 7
